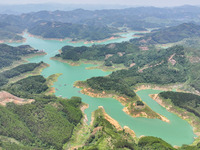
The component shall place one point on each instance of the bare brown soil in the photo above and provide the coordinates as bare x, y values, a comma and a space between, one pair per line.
128, 130
83, 107
171, 60
143, 113
156, 87
111, 120
6, 97
91, 92
100, 41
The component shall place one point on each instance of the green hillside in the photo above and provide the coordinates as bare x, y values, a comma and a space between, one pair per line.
172, 34
46, 123
75, 31
9, 54
9, 32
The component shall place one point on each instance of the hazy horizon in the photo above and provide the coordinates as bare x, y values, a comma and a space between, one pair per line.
156, 3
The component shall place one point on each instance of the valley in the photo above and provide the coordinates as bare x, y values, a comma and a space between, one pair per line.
88, 80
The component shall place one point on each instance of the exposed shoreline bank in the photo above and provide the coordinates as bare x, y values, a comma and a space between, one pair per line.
83, 107
158, 87
193, 120
78, 41
50, 82
93, 62
124, 101
13, 41
22, 61
36, 71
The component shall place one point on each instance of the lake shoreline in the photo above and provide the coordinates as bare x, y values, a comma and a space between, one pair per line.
83, 107
169, 87
123, 100
13, 41
36, 71
50, 82
22, 61
116, 124
93, 62
50, 48
183, 114
78, 41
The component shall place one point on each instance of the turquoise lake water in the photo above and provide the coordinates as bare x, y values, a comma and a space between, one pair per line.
177, 132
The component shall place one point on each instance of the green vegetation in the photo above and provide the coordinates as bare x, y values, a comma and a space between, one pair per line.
167, 66
187, 147
5, 144
117, 53
150, 142
9, 32
23, 88
9, 54
60, 30
105, 136
6, 75
9, 36
188, 101
172, 34
155, 66
139, 103
47, 123
194, 76
94, 21
151, 67
109, 84
136, 18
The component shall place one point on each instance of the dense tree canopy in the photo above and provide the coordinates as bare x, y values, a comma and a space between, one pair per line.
6, 75
109, 84
74, 31
9, 54
188, 101
172, 34
47, 122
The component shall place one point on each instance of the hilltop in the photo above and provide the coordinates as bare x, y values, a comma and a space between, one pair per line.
59, 30
172, 34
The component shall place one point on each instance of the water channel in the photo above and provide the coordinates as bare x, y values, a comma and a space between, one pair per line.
177, 132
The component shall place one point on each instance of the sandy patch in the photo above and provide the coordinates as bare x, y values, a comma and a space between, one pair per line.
171, 60
156, 87
128, 130
111, 120
82, 108
6, 97
144, 114
156, 98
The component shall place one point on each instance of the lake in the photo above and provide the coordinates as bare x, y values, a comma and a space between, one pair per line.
177, 132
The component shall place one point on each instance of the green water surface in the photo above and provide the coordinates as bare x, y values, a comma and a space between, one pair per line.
177, 132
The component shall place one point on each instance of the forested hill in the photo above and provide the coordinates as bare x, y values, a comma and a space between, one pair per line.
164, 66
188, 101
75, 31
9, 32
131, 17
172, 34
46, 123
137, 18
9, 54
95, 25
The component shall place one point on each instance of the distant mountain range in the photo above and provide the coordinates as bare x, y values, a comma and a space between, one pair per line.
27, 8
61, 30
172, 34
100, 21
